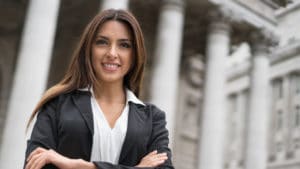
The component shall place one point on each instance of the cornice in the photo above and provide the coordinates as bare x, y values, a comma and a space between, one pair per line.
285, 52
283, 164
271, 4
261, 40
269, 19
247, 14
290, 8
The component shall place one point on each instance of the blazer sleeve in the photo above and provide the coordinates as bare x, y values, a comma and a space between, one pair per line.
159, 141
44, 131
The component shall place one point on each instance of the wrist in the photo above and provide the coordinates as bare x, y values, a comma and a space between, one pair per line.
85, 164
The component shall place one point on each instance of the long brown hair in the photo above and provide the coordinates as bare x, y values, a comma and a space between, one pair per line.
80, 73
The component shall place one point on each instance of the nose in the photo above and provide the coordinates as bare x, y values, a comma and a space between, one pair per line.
113, 51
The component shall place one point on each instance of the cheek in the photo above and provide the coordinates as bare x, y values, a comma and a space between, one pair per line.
93, 60
129, 63
96, 56
98, 52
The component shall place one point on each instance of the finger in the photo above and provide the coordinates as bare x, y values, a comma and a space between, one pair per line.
163, 158
37, 163
159, 162
162, 154
152, 153
35, 158
36, 151
28, 165
40, 163
32, 160
156, 163
159, 159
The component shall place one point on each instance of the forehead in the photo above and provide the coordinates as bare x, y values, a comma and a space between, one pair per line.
115, 28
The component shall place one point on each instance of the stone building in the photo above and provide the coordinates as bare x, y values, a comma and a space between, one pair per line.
227, 73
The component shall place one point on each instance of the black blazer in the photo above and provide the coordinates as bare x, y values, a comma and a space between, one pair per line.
65, 124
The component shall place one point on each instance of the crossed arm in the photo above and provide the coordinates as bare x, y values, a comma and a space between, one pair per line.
40, 156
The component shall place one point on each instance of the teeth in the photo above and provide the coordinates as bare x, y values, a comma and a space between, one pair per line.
111, 65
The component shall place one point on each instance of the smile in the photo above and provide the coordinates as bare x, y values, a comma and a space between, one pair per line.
111, 66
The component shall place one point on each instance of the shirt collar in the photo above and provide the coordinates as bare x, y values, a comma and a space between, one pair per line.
130, 96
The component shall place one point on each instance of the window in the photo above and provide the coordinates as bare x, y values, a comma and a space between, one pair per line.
297, 116
296, 144
279, 147
233, 103
279, 121
296, 83
277, 89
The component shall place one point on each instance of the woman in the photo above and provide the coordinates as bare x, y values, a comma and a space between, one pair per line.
93, 118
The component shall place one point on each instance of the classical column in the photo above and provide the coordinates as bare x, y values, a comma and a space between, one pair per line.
287, 93
241, 121
30, 78
211, 142
286, 128
234, 149
258, 118
167, 59
115, 4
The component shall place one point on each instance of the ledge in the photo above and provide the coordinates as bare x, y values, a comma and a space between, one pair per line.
248, 15
238, 70
282, 53
290, 8
295, 162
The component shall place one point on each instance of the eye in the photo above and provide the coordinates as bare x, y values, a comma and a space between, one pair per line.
101, 42
125, 45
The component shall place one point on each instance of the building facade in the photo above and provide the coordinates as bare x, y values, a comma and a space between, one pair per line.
227, 74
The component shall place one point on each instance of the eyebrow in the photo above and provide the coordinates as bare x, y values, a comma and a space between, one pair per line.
106, 38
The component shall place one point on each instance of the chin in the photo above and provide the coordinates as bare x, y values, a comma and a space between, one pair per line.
111, 80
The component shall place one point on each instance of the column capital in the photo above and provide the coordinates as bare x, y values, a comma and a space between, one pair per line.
262, 40
220, 20
177, 4
225, 14
115, 4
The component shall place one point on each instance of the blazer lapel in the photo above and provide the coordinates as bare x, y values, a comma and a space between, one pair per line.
135, 118
83, 103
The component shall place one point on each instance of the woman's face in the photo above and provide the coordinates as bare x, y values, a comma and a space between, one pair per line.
112, 52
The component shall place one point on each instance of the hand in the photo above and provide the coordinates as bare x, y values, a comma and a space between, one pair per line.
40, 157
153, 159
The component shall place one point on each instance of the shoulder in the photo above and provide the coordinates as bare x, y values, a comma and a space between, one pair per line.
147, 110
66, 97
155, 111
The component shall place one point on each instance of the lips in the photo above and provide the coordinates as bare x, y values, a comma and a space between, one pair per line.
110, 66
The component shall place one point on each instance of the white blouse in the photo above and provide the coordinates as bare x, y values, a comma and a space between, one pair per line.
107, 141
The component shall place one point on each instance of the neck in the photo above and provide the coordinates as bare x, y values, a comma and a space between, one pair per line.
110, 93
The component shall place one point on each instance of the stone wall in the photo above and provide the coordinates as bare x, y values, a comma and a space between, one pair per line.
288, 24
